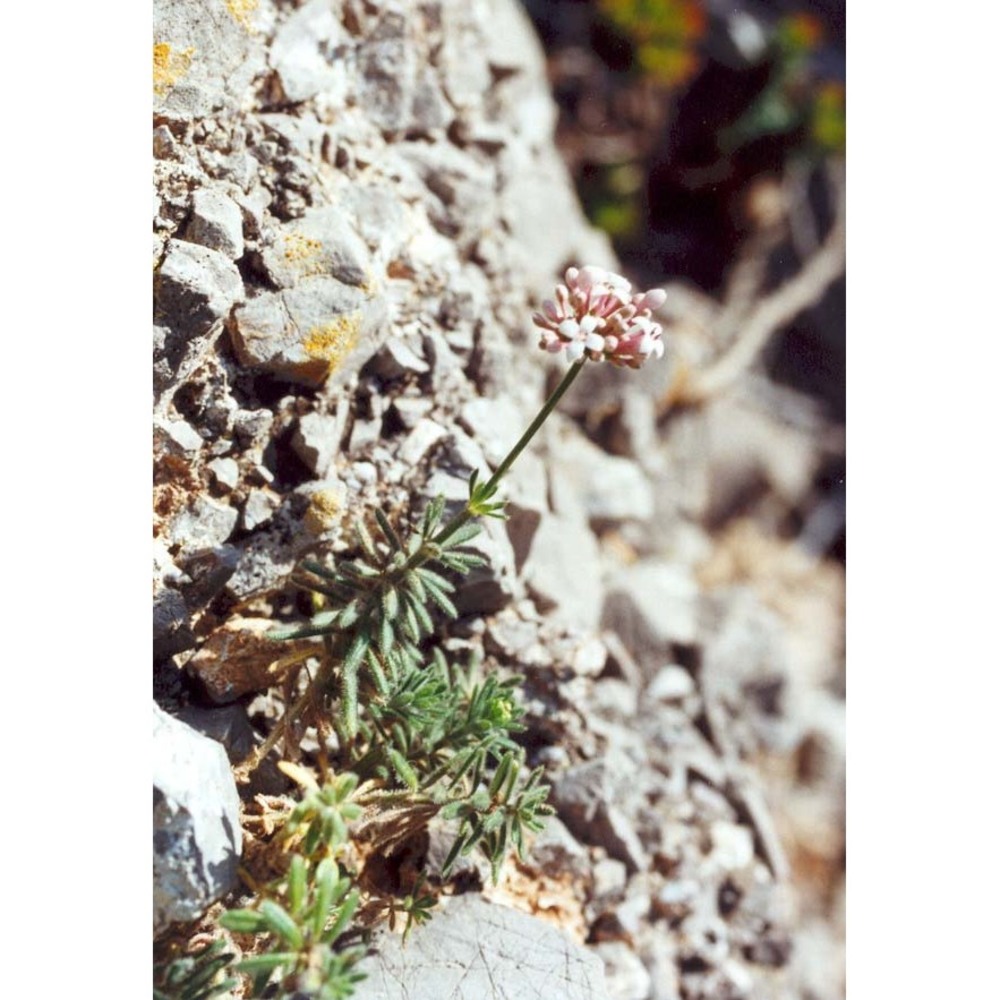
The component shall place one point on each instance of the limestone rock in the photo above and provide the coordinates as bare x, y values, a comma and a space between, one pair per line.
493, 586
306, 334
420, 441
671, 683
228, 725
203, 525
563, 571
526, 487
395, 359
259, 507
495, 424
225, 471
652, 605
304, 51
171, 624
321, 243
626, 975
585, 796
196, 822
608, 488
205, 56
182, 436
409, 409
238, 657
316, 441
195, 287
471, 950
216, 223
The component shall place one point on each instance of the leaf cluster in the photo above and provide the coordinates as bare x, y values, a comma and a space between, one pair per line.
419, 735
440, 724
379, 604
196, 976
306, 912
495, 817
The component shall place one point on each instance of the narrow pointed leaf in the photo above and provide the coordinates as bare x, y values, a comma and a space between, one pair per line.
281, 923
387, 529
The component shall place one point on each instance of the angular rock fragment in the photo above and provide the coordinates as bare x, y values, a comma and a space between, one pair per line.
195, 287
225, 471
259, 507
319, 329
196, 822
216, 223
238, 657
489, 588
320, 244
609, 489
395, 359
671, 683
302, 51
205, 55
171, 624
473, 950
585, 796
203, 525
409, 409
651, 605
420, 441
316, 441
182, 436
495, 423
626, 975
563, 571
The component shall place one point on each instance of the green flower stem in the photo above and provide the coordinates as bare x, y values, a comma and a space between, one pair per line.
425, 552
550, 404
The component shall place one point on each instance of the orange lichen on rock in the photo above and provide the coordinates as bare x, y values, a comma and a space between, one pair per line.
241, 10
169, 66
326, 507
332, 342
304, 252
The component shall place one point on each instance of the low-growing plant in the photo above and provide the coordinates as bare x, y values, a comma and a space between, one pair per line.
418, 735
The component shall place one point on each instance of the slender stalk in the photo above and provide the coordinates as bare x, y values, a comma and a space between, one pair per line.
419, 557
550, 404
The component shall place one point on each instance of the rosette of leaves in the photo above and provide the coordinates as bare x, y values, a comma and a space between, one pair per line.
494, 818
196, 976
304, 915
437, 745
443, 721
378, 604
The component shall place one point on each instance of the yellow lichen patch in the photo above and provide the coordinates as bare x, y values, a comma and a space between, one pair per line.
241, 11
169, 67
333, 341
324, 511
304, 252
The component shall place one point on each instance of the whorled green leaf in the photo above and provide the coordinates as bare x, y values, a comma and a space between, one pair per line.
387, 529
281, 923
243, 922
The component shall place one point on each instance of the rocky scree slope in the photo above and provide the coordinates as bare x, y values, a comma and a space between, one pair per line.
356, 206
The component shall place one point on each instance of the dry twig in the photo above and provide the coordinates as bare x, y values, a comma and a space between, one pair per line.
759, 318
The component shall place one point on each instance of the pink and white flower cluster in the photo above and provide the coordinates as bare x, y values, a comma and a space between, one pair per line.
596, 314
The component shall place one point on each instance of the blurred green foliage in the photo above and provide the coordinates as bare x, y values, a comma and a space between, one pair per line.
663, 33
796, 97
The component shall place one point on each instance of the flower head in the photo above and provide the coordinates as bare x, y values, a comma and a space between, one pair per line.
596, 315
